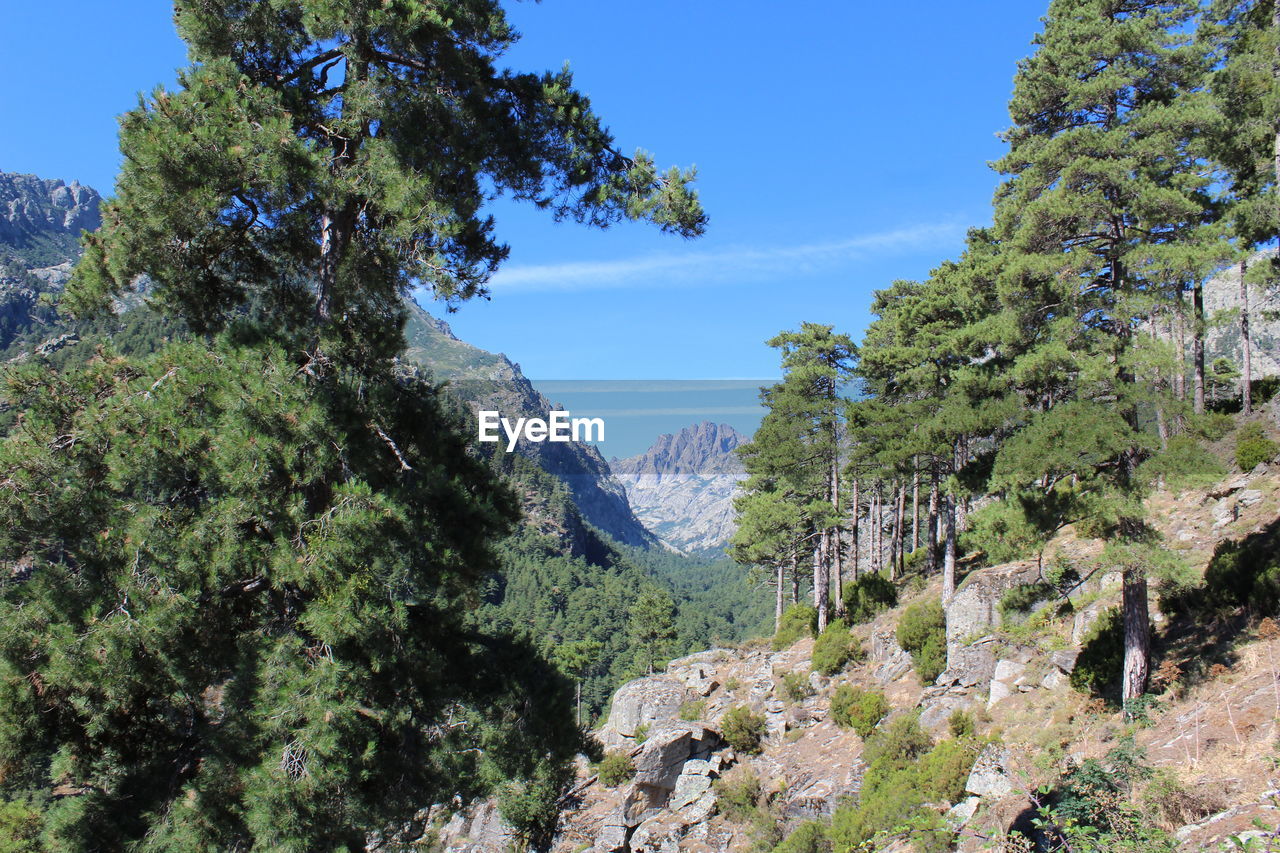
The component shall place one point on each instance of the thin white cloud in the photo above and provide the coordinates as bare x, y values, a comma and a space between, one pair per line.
735, 264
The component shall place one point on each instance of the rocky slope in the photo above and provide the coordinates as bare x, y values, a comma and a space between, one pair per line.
1209, 739
1221, 299
682, 488
42, 217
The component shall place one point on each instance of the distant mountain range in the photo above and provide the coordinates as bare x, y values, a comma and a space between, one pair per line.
40, 225
682, 488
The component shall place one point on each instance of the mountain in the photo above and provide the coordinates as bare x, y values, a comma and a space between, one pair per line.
485, 380
1222, 338
682, 488
41, 220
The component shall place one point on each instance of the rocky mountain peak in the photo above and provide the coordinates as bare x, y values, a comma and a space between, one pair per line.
31, 207
682, 488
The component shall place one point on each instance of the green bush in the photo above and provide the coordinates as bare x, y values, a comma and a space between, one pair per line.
615, 768
799, 620
858, 709
905, 771
742, 729
1018, 602
1211, 426
808, 837
834, 649
962, 724
738, 794
695, 709
796, 686
922, 631
1185, 464
20, 826
868, 595
1253, 446
1002, 532
1101, 659
642, 733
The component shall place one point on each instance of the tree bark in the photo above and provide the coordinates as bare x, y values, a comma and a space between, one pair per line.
857, 513
915, 503
795, 577
1180, 334
778, 604
1197, 346
931, 528
1137, 635
837, 546
899, 534
949, 548
1246, 344
820, 582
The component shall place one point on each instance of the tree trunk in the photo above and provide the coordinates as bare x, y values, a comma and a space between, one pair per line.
899, 537
820, 582
837, 546
578, 700
778, 603
915, 503
795, 577
857, 513
949, 548
873, 519
1180, 335
931, 529
1197, 346
1137, 635
1246, 344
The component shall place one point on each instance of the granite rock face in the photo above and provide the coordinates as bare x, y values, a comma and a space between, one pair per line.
682, 488
31, 208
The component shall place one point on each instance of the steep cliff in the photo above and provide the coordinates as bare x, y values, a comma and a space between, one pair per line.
682, 488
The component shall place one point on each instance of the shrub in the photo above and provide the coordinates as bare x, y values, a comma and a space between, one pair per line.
1185, 464
642, 733
858, 709
1017, 602
1211, 426
808, 837
922, 631
614, 769
738, 794
1098, 666
835, 648
1253, 447
796, 686
869, 595
961, 724
1002, 531
695, 709
742, 729
732, 684
904, 772
799, 620
20, 825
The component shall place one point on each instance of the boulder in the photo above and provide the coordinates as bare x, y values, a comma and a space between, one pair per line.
642, 702
990, 776
668, 747
972, 613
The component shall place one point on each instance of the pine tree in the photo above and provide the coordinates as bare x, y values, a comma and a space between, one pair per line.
1243, 36
246, 617
652, 626
321, 157
1106, 196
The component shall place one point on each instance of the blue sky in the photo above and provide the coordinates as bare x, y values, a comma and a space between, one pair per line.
840, 146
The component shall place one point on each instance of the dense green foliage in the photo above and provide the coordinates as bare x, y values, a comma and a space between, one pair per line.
798, 620
615, 768
922, 631
1184, 464
905, 771
743, 729
808, 837
869, 595
287, 683
795, 686
858, 708
835, 648
1253, 447
1018, 601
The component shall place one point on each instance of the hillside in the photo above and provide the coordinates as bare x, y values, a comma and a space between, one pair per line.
1018, 710
682, 488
